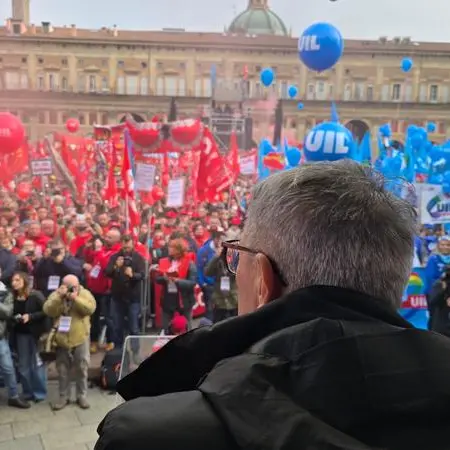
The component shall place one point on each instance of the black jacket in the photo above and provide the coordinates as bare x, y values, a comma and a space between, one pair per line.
321, 368
124, 287
440, 317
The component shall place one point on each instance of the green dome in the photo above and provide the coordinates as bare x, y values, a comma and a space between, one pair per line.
258, 19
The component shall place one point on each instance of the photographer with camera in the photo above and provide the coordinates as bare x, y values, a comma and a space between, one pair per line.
71, 307
27, 259
439, 305
127, 270
54, 266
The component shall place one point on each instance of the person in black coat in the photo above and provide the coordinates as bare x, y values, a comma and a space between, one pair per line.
439, 304
55, 265
28, 324
318, 358
127, 271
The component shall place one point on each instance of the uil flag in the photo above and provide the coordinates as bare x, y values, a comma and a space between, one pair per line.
128, 186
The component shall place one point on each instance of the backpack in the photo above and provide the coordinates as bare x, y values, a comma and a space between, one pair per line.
110, 369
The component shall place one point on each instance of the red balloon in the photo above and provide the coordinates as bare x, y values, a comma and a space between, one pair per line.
12, 133
72, 125
157, 193
23, 190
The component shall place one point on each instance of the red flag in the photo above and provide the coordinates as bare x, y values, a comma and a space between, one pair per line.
111, 191
128, 189
233, 158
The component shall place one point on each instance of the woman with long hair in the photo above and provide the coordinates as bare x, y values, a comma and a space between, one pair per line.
28, 325
178, 275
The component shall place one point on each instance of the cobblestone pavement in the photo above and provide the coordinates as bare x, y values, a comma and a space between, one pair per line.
39, 428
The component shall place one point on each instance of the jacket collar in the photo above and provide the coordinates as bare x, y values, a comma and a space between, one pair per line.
198, 351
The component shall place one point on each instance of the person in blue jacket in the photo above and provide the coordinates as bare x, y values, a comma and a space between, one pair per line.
437, 263
204, 256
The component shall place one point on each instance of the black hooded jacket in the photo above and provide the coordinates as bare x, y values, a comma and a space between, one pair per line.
321, 368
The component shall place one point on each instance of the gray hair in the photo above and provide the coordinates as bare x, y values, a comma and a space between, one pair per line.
334, 224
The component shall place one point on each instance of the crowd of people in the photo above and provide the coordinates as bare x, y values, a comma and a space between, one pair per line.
72, 281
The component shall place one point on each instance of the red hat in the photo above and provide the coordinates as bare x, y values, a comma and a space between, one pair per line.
179, 324
171, 215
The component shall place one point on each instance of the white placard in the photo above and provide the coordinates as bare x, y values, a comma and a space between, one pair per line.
175, 193
434, 205
145, 177
247, 165
41, 167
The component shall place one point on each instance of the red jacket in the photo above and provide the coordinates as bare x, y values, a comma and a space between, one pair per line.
77, 242
96, 280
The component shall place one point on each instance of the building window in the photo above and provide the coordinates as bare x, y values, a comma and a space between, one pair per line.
283, 89
41, 117
104, 118
408, 93
347, 92
320, 90
258, 90
423, 93
359, 91
120, 64
81, 119
40, 60
121, 85
170, 85
394, 126
369, 94
52, 81
64, 117
444, 94
330, 91
385, 93
144, 86
53, 117
132, 82
160, 86
81, 82
310, 91
434, 93
144, 65
442, 129
182, 87
24, 60
104, 84
396, 92
81, 62
12, 80
64, 84
198, 88
64, 62
41, 82
92, 118
92, 83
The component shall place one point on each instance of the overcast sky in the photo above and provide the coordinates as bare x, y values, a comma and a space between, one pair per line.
426, 20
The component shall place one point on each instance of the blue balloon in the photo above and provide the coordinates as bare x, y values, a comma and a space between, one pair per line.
320, 46
407, 64
300, 105
292, 91
419, 138
446, 183
293, 155
431, 127
328, 141
386, 130
267, 76
266, 147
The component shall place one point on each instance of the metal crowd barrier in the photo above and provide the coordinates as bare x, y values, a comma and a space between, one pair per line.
135, 350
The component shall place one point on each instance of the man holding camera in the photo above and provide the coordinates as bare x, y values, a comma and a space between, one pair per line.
127, 270
54, 266
71, 307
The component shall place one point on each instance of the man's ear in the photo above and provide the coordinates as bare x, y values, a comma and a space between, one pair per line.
266, 280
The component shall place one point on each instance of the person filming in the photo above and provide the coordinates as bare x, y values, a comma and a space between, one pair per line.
439, 304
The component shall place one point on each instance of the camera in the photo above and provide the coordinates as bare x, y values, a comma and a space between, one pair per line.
29, 254
17, 318
71, 289
127, 261
55, 252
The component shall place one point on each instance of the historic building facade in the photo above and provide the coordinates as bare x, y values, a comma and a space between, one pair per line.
48, 74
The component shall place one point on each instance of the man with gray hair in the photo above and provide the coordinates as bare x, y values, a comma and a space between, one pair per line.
319, 357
